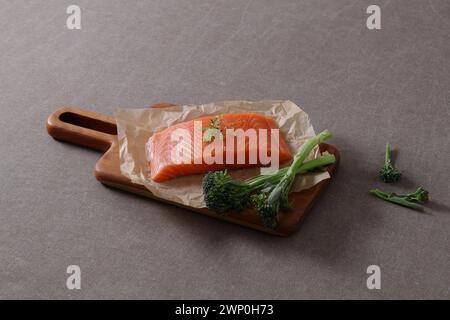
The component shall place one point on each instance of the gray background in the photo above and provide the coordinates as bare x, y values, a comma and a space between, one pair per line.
367, 87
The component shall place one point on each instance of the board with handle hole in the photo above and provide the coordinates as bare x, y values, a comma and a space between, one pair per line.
99, 132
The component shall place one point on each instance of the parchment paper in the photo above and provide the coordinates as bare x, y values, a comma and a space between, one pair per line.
136, 126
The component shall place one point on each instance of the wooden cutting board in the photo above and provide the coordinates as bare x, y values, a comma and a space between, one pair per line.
96, 131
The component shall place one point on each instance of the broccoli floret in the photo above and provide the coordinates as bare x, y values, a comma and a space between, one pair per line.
267, 212
222, 193
412, 200
269, 202
388, 173
419, 196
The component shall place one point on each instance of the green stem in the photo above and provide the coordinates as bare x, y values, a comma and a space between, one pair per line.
387, 157
396, 199
320, 161
306, 149
301, 155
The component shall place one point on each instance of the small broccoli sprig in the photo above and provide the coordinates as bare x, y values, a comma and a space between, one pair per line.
388, 173
222, 193
269, 202
412, 200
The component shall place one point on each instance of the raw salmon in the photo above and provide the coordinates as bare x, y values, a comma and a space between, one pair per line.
166, 164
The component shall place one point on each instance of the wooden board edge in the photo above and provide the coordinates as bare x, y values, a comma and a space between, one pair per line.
203, 211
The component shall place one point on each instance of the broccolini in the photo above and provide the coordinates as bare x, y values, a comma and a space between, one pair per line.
388, 173
223, 194
412, 200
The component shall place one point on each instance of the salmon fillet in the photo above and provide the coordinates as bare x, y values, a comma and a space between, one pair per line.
166, 164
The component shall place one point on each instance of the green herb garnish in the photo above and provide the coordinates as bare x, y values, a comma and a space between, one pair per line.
213, 130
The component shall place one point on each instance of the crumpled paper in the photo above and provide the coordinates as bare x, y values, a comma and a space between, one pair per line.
136, 126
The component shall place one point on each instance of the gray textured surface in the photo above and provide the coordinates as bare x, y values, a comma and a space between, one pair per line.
367, 87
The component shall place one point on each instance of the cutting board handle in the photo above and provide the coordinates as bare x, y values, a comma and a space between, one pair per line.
82, 127
86, 128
